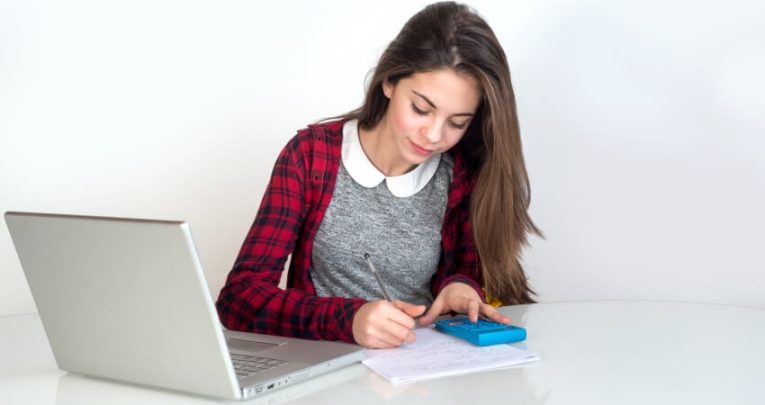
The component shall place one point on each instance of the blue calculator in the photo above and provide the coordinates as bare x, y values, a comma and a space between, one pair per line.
481, 333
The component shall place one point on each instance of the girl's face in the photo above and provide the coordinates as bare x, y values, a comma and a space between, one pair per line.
429, 112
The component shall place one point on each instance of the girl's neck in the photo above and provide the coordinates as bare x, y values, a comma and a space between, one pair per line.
379, 144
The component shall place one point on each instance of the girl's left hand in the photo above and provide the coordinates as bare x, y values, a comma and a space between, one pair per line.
461, 298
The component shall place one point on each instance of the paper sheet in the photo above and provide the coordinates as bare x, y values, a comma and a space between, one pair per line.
437, 354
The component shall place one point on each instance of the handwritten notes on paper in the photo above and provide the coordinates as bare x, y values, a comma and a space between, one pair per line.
436, 354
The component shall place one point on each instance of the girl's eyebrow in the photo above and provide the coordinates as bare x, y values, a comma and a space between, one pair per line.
427, 100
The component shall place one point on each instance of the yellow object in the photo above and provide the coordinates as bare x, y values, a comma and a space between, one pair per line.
492, 301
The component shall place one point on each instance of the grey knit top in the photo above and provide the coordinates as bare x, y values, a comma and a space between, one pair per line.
401, 233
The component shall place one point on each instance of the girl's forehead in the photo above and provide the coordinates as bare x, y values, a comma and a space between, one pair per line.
446, 89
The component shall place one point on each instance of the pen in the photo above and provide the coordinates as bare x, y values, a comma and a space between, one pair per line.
377, 276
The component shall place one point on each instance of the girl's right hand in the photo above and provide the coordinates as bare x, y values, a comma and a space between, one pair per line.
383, 324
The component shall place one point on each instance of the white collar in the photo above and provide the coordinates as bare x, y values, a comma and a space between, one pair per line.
366, 174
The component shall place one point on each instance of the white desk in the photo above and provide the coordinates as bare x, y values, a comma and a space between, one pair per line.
592, 353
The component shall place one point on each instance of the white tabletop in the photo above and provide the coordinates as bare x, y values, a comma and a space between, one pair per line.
592, 353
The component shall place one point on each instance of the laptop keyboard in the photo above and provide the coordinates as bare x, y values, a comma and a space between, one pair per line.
247, 365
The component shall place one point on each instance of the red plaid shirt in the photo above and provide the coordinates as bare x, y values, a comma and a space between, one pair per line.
290, 213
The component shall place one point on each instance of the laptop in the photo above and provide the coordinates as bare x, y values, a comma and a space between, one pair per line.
126, 299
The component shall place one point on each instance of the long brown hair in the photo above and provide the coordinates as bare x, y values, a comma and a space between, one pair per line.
454, 36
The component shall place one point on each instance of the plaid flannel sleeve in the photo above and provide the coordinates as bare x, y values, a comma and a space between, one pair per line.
251, 299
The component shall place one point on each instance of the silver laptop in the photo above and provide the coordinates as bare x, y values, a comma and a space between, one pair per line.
126, 299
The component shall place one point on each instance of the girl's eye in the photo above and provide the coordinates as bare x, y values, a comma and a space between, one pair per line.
458, 126
418, 111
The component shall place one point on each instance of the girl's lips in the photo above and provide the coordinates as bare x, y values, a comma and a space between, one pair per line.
420, 150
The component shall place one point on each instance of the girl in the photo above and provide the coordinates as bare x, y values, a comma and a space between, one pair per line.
427, 177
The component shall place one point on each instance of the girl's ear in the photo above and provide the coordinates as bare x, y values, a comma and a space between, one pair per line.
387, 88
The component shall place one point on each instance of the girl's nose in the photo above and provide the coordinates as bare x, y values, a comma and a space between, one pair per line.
432, 132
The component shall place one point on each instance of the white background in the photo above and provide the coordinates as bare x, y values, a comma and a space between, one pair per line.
642, 121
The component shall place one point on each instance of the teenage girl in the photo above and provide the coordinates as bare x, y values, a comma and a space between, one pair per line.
427, 177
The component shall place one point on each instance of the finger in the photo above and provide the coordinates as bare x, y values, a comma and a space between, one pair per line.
432, 313
398, 315
417, 310
375, 343
408, 308
400, 333
474, 308
399, 324
389, 341
421, 314
395, 334
410, 337
373, 338
394, 341
411, 309
380, 337
494, 315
